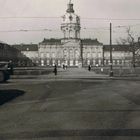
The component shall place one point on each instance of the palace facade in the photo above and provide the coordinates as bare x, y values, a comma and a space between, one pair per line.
70, 50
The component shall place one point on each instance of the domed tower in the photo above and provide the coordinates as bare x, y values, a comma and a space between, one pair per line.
70, 25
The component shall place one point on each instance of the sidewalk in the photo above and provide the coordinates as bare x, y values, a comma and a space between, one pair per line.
79, 72
74, 73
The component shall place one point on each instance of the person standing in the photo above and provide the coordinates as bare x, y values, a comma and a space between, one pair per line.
55, 70
89, 67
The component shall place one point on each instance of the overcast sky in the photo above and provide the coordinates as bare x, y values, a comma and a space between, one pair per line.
88, 10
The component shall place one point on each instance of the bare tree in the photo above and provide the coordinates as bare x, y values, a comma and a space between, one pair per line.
134, 46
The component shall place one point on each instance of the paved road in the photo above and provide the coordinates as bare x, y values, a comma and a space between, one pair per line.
70, 73
73, 109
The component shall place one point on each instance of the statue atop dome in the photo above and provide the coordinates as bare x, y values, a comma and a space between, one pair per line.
70, 8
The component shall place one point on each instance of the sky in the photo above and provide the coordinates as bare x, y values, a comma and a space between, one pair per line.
30, 21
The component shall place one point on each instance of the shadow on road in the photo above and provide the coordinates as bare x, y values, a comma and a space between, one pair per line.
72, 133
8, 95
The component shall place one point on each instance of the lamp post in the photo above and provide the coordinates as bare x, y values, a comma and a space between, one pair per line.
111, 65
81, 48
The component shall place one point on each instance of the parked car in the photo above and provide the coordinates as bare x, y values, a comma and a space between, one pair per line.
6, 69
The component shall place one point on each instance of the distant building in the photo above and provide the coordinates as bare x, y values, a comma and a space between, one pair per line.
88, 51
30, 51
71, 50
121, 55
8, 53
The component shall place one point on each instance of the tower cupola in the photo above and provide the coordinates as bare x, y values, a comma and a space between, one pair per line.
70, 25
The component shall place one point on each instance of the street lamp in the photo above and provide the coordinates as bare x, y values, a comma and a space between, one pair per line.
81, 48
111, 65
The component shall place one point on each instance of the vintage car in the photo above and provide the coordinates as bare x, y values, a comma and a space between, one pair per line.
6, 69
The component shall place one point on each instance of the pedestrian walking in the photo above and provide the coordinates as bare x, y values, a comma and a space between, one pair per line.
89, 67
55, 70
63, 66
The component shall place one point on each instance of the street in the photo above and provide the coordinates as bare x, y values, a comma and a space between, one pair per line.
71, 105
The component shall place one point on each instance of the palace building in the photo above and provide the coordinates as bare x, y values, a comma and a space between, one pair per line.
70, 50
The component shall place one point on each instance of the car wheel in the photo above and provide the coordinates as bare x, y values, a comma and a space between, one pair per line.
2, 76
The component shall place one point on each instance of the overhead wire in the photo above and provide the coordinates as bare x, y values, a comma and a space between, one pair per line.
53, 17
84, 28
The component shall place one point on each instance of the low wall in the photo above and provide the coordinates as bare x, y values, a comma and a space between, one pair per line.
118, 71
32, 71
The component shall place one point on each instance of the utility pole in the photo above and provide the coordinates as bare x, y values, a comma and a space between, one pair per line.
103, 56
81, 48
111, 65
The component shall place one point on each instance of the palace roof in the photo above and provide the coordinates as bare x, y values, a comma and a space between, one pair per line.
117, 48
89, 41
51, 41
26, 47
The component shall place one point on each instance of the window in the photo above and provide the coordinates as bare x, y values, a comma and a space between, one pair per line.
88, 62
58, 54
105, 62
71, 54
76, 63
71, 18
108, 62
99, 54
99, 62
88, 55
71, 62
94, 62
42, 55
53, 55
65, 53
113, 62
59, 64
84, 55
42, 62
48, 62
93, 54
122, 62
53, 62
118, 62
47, 55
76, 54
